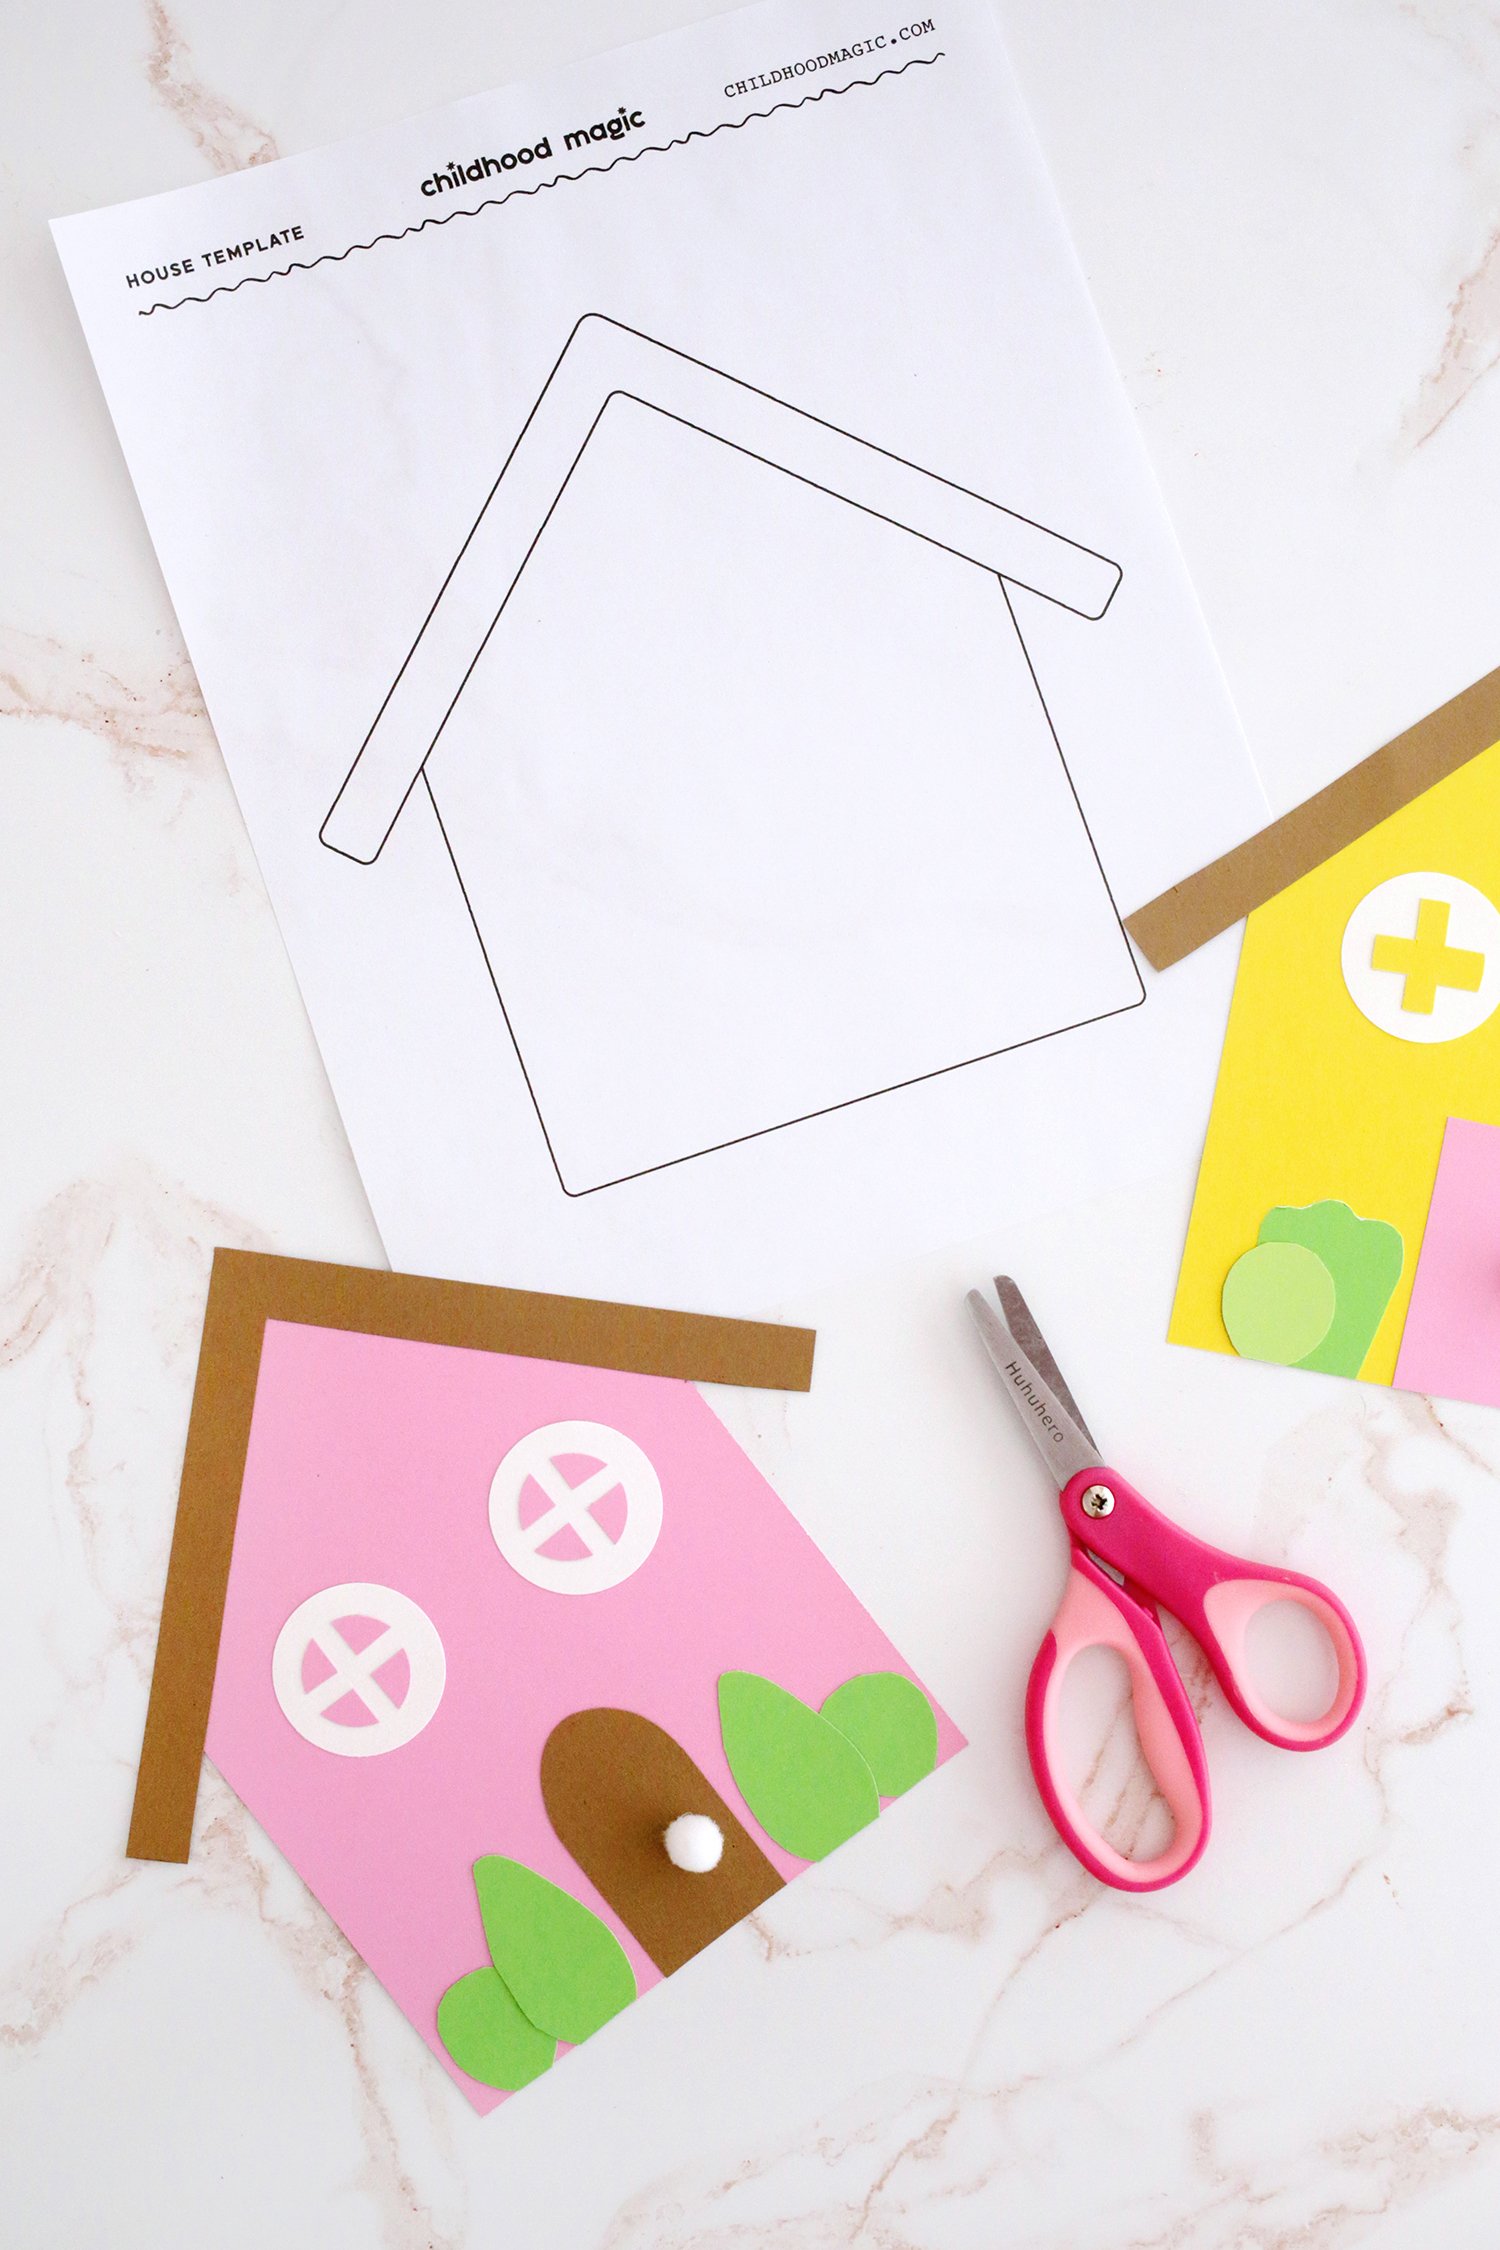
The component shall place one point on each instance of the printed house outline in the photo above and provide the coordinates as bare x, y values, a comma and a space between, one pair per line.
603, 363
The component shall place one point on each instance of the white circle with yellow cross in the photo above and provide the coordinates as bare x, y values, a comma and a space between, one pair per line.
1421, 957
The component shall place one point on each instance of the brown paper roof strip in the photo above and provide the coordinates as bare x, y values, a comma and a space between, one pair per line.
245, 1291
1228, 889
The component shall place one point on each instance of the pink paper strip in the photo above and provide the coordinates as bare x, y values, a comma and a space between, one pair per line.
1451, 1344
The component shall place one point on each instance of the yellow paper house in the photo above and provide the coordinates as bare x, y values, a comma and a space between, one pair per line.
1366, 1015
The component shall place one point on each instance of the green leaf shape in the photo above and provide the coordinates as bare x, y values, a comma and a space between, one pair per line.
890, 1723
566, 1969
1278, 1302
803, 1779
487, 2035
1365, 1257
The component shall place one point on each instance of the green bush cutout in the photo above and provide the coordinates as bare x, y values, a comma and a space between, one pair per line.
566, 1970
803, 1779
1364, 1256
556, 1972
1278, 1303
487, 2035
890, 1723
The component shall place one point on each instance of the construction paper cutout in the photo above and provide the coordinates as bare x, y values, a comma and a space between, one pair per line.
352, 1710
1421, 957
891, 1724
372, 1457
804, 1781
1279, 1302
563, 1965
245, 1291
1365, 1258
358, 1631
1312, 1096
487, 2035
590, 1560
394, 1676
612, 1781
316, 1668
1426, 963
1450, 1347
1223, 893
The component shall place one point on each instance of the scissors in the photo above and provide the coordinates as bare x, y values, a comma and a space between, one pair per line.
1125, 1559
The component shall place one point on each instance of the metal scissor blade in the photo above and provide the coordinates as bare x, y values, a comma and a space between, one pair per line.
1022, 1325
1033, 1379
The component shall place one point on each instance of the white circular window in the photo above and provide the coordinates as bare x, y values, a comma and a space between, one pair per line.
358, 1670
575, 1507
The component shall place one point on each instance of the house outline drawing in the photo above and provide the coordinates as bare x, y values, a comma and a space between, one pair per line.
604, 366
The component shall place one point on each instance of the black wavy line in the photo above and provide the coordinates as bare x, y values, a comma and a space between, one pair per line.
493, 202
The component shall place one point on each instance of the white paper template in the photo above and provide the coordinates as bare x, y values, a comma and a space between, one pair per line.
677, 583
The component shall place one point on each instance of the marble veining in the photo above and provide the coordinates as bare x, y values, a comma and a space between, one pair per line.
1470, 348
153, 724
227, 137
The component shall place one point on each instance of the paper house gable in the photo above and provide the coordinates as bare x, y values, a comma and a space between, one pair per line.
743, 769
494, 1622
1360, 1072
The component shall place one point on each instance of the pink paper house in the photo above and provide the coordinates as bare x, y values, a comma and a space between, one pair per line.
440, 1554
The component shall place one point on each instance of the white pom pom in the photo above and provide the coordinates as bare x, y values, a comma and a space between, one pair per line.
694, 1843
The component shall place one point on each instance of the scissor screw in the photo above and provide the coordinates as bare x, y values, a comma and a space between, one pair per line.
1098, 1501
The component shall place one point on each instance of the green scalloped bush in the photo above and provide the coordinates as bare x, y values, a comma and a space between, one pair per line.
891, 1724
804, 1781
567, 1969
487, 2035
1365, 1257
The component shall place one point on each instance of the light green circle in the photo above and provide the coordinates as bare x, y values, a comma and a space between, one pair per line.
1279, 1302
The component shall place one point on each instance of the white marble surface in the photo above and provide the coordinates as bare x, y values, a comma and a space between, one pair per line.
946, 2038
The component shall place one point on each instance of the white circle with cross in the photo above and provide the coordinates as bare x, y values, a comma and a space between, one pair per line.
1421, 957
402, 1630
604, 1561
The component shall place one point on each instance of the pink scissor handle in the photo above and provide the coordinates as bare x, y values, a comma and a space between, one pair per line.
1096, 1613
1215, 1595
